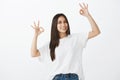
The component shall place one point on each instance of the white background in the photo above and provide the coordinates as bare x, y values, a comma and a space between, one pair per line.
101, 57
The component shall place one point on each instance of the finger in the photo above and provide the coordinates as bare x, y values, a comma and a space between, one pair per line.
38, 23
35, 24
32, 27
87, 5
81, 6
84, 5
41, 29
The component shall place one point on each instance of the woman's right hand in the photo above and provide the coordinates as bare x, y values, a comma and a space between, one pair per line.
37, 28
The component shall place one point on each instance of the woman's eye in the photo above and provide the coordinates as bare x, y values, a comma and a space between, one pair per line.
65, 22
59, 22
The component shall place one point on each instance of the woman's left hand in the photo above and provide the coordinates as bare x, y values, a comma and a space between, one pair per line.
84, 9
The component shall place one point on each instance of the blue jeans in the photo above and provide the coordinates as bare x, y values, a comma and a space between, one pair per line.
69, 76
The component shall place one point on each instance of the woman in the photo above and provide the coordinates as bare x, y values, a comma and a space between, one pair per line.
64, 49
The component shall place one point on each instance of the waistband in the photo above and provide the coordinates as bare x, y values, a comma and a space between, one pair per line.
68, 76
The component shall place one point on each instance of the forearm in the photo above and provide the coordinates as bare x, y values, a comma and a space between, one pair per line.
93, 24
34, 45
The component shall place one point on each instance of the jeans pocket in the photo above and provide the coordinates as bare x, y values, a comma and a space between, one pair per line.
74, 77
57, 77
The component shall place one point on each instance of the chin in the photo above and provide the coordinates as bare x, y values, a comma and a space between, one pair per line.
63, 31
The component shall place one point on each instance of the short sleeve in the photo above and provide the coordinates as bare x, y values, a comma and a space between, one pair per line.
43, 52
84, 38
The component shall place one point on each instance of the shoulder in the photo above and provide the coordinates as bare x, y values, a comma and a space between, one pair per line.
81, 34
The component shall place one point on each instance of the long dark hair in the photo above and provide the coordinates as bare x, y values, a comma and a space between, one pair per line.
54, 42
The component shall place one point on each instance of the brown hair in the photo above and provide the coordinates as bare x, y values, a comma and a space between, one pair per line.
54, 41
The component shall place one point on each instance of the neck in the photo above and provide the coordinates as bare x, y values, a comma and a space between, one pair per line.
62, 35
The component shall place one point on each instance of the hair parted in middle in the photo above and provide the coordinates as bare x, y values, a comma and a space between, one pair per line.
54, 41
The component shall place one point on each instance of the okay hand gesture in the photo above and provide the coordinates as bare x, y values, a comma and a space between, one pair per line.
84, 9
37, 28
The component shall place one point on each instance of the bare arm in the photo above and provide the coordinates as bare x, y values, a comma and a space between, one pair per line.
95, 30
34, 51
38, 30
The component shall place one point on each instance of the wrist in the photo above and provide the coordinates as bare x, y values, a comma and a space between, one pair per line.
36, 34
88, 15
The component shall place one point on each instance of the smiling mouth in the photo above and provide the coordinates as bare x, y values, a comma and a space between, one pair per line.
63, 28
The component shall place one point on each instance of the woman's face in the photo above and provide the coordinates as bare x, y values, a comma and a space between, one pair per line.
62, 25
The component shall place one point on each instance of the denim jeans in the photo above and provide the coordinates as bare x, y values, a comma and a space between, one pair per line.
69, 76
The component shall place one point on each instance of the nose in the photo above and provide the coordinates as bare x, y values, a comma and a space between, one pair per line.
63, 24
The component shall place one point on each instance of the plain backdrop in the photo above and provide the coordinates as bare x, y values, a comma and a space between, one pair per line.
101, 57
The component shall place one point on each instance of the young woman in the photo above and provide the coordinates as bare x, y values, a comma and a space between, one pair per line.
64, 50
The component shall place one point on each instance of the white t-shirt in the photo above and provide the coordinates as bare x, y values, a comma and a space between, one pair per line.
68, 55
